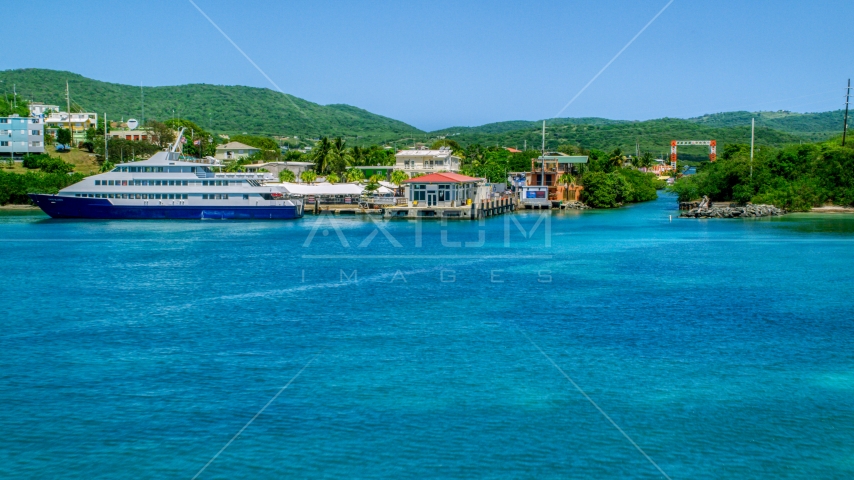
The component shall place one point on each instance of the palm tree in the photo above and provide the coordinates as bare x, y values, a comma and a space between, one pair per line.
616, 159
398, 177
332, 178
235, 167
321, 155
308, 176
475, 155
646, 160
287, 176
358, 156
339, 156
354, 175
567, 179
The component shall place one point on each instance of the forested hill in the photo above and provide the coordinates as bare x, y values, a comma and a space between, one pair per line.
652, 135
812, 126
260, 111
228, 109
509, 126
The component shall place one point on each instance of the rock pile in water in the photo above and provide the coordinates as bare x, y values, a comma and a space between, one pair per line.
574, 205
746, 211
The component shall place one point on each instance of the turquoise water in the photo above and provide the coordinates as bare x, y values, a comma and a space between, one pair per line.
723, 349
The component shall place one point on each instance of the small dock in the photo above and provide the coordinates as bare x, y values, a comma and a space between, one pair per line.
477, 210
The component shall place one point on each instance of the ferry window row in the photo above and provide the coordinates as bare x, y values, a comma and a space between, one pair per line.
140, 169
217, 196
132, 183
137, 196
164, 183
161, 169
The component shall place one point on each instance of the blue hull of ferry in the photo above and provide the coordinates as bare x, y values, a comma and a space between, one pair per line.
101, 208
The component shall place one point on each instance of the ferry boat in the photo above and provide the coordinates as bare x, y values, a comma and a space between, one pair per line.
163, 187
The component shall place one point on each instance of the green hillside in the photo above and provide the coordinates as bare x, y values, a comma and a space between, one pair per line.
509, 126
811, 126
652, 135
260, 111
227, 109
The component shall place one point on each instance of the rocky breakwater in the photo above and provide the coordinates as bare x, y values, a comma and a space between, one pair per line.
747, 211
574, 205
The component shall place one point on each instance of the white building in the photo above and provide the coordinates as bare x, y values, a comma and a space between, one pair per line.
277, 167
38, 108
427, 161
234, 151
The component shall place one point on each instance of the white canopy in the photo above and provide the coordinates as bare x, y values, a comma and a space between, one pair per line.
323, 189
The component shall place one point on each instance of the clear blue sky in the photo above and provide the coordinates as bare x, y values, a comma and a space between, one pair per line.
438, 63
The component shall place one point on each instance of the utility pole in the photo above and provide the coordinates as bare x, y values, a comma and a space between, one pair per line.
845, 127
68, 111
752, 128
543, 160
15, 95
106, 149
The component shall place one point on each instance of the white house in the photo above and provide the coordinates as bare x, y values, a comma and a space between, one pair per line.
277, 167
38, 108
234, 151
427, 161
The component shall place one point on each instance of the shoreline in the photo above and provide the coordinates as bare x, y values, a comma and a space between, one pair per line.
12, 206
830, 209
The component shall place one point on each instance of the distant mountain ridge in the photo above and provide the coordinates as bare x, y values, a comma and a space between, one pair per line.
228, 109
823, 124
261, 111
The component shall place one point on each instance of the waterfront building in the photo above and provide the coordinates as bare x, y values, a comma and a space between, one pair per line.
78, 123
425, 161
542, 183
441, 189
450, 195
21, 135
234, 151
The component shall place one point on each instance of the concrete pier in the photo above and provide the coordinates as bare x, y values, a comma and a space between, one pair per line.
482, 209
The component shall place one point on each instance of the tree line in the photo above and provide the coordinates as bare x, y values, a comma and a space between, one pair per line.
796, 177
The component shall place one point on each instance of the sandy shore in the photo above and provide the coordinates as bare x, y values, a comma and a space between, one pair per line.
832, 209
18, 207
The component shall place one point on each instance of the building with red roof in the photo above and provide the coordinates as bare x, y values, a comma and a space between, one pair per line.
444, 177
445, 189
450, 195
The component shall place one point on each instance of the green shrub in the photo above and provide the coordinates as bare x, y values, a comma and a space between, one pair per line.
14, 187
47, 163
623, 185
796, 177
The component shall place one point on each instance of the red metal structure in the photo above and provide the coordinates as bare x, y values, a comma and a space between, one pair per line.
713, 149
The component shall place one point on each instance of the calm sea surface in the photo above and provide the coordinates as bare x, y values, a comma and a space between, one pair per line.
722, 349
